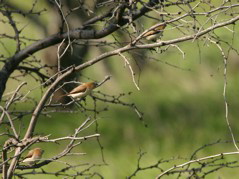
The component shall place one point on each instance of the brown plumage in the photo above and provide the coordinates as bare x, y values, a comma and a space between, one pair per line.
33, 156
155, 33
82, 90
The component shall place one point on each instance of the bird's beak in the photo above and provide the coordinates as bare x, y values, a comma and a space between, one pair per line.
96, 84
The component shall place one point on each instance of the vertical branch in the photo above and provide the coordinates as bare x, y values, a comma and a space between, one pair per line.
225, 97
13, 163
12, 100
131, 70
59, 5
4, 166
10, 121
224, 93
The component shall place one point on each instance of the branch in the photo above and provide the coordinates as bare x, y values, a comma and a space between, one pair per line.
34, 70
109, 54
12, 99
102, 82
196, 160
72, 138
12, 63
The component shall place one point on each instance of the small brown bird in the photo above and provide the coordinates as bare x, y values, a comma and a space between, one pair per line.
155, 33
82, 90
33, 156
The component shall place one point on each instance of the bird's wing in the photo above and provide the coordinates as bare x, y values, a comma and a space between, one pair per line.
38, 152
30, 153
161, 27
79, 89
155, 30
149, 33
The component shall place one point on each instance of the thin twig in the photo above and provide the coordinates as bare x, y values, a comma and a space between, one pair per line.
196, 160
131, 70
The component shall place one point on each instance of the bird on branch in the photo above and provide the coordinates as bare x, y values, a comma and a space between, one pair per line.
155, 34
33, 156
82, 90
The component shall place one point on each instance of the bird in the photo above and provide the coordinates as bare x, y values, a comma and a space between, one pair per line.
33, 156
82, 90
155, 34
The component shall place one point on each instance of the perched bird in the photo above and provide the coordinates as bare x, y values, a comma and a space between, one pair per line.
155, 33
82, 90
33, 156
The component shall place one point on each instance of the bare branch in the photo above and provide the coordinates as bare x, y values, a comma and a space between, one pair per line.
196, 160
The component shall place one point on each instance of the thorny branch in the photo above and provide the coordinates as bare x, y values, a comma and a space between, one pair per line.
203, 166
196, 161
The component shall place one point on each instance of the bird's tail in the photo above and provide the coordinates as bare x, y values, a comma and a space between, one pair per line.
62, 95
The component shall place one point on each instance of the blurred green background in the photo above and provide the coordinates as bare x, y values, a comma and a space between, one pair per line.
183, 106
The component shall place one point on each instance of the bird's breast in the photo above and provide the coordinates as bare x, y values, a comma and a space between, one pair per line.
79, 95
